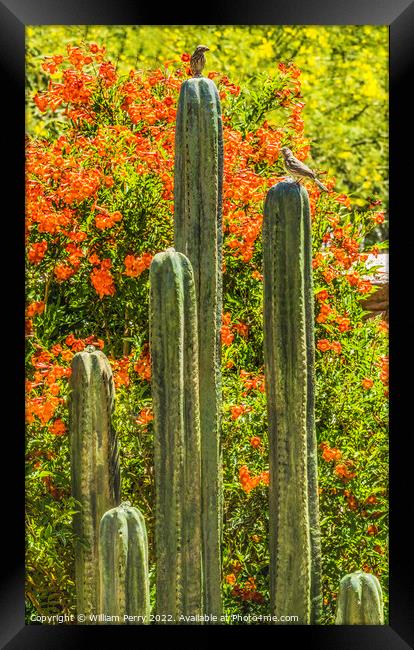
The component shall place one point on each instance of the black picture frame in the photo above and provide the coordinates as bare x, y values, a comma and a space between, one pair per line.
14, 16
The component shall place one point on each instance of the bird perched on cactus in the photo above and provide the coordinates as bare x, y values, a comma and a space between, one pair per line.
298, 169
198, 60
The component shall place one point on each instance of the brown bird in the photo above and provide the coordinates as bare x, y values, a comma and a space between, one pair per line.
198, 60
298, 169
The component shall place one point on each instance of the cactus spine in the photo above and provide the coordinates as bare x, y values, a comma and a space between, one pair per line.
123, 565
359, 600
295, 563
174, 355
198, 182
94, 466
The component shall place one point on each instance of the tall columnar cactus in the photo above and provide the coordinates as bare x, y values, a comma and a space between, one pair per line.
94, 466
173, 340
198, 234
359, 600
123, 565
295, 563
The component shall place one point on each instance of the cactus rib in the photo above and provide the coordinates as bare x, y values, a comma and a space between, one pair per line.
94, 466
177, 461
198, 182
123, 565
289, 367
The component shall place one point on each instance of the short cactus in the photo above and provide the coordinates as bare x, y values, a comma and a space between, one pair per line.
295, 563
94, 466
198, 179
359, 600
177, 464
123, 565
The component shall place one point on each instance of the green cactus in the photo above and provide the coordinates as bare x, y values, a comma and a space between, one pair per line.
198, 182
123, 565
295, 563
177, 465
359, 600
94, 466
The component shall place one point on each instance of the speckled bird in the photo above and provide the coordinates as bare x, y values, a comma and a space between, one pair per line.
198, 60
298, 169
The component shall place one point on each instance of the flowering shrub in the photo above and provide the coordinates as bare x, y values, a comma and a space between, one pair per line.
99, 206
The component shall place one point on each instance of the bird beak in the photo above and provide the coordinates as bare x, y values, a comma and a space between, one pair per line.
207, 49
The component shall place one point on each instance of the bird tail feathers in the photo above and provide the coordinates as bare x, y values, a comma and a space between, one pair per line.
319, 184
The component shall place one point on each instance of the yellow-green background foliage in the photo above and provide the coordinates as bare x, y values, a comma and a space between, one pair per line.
87, 280
344, 80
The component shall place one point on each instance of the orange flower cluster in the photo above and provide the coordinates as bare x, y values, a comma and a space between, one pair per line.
290, 68
361, 285
63, 272
330, 453
143, 365
242, 329
383, 327
107, 72
227, 335
340, 254
325, 311
324, 345
245, 227
384, 369
322, 295
37, 252
134, 266
238, 410
344, 200
328, 313
343, 472
268, 144
248, 592
78, 345
143, 105
255, 442
367, 383
105, 220
378, 217
35, 308
58, 428
120, 369
249, 482
50, 376
43, 408
252, 382
145, 416
243, 185
351, 500
102, 279
75, 87
372, 529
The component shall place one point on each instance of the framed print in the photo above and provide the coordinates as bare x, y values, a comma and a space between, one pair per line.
212, 442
